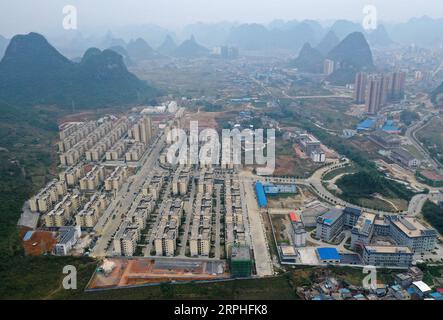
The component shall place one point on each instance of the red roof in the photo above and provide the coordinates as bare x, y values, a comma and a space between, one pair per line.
440, 290
293, 217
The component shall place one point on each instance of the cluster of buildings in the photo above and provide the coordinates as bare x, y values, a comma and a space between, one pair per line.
99, 150
375, 90
200, 240
116, 179
311, 146
226, 52
87, 182
92, 211
384, 133
140, 135
129, 233
73, 154
402, 236
404, 286
181, 179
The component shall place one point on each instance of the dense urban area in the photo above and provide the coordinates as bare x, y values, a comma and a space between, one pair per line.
358, 177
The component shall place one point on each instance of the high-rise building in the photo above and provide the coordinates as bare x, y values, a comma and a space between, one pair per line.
385, 89
398, 85
142, 131
328, 67
361, 79
374, 94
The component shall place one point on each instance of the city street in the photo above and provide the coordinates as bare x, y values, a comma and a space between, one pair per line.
263, 261
125, 198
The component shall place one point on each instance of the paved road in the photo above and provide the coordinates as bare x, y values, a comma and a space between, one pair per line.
315, 183
340, 247
123, 201
188, 218
263, 261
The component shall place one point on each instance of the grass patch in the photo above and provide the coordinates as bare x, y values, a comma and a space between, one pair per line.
434, 215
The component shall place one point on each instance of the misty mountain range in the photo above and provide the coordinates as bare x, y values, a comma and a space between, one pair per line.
279, 34
352, 55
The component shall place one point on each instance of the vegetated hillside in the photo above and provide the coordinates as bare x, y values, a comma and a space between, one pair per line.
328, 42
33, 72
437, 95
190, 49
354, 55
3, 45
309, 60
434, 215
364, 184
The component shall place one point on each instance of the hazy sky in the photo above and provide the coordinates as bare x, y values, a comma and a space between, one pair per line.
20, 16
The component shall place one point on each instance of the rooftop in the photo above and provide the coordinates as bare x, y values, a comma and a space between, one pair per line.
331, 216
388, 249
328, 254
411, 226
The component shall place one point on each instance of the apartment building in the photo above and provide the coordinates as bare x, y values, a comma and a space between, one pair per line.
48, 196
142, 130
93, 178
200, 240
116, 179
165, 242
72, 175
206, 181
75, 153
181, 180
62, 211
387, 256
126, 238
117, 151
135, 152
153, 186
408, 231
92, 211
98, 151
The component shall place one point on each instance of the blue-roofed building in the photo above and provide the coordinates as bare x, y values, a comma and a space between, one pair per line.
322, 297
436, 296
345, 293
367, 125
390, 127
328, 255
330, 224
261, 196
